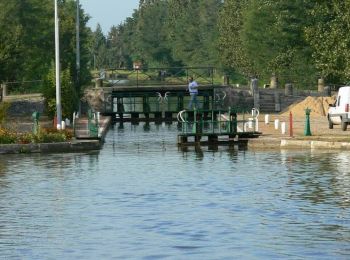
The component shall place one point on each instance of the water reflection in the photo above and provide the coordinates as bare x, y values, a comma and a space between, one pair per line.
143, 197
319, 176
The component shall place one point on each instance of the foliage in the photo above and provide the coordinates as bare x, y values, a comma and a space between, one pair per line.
68, 94
296, 40
26, 138
44, 136
232, 50
328, 36
261, 38
4, 106
68, 133
27, 45
7, 136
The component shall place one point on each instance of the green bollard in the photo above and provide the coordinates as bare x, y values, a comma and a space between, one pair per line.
194, 127
35, 117
307, 131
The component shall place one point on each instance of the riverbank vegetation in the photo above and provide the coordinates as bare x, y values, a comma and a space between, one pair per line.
298, 41
45, 135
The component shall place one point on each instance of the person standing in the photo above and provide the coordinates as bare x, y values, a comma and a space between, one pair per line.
193, 89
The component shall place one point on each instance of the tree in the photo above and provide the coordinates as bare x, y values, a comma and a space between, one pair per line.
328, 37
68, 93
192, 31
151, 35
24, 42
264, 37
233, 53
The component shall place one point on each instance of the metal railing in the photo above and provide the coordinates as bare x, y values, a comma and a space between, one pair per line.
231, 121
157, 76
93, 123
155, 102
22, 87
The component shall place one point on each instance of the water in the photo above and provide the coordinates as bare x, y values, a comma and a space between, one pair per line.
141, 197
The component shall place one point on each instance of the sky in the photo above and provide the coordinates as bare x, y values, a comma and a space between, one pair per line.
108, 12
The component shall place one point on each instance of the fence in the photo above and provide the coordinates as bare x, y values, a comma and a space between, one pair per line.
21, 88
156, 76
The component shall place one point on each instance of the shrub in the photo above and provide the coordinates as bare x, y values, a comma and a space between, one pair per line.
7, 137
51, 137
48, 135
26, 138
68, 133
4, 106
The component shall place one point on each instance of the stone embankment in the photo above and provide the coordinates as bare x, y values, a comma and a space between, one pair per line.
73, 146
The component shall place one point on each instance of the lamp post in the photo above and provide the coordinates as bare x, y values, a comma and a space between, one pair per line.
77, 28
78, 42
57, 58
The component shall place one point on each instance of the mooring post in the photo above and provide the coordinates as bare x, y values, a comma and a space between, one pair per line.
290, 124
194, 127
229, 121
307, 131
219, 121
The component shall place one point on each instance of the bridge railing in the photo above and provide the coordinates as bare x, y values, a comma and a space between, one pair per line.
231, 121
157, 76
148, 102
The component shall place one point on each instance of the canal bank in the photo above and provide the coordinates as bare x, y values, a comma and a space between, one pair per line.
85, 142
323, 138
268, 142
73, 146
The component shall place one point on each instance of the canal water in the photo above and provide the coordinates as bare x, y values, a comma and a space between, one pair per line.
141, 197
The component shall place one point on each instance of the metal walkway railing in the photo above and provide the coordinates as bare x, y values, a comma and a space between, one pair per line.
219, 122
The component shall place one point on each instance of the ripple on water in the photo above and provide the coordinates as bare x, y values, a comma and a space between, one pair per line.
141, 197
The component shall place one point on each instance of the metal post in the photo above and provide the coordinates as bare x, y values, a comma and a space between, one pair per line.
230, 120
78, 55
219, 121
194, 127
57, 57
137, 77
78, 41
307, 130
290, 124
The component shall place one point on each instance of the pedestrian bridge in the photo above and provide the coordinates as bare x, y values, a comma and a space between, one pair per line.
157, 94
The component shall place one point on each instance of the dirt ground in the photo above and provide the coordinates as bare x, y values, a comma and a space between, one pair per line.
318, 125
318, 121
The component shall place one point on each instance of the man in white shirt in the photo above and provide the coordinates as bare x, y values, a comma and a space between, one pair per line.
193, 89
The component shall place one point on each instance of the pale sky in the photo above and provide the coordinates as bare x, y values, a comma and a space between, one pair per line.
108, 12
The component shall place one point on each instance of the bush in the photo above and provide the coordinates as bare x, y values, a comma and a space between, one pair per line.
68, 133
49, 135
4, 106
7, 137
26, 138
51, 138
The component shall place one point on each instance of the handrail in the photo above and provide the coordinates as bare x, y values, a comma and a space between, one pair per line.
219, 121
180, 115
159, 76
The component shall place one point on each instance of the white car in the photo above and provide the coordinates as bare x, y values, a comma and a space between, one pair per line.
339, 113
